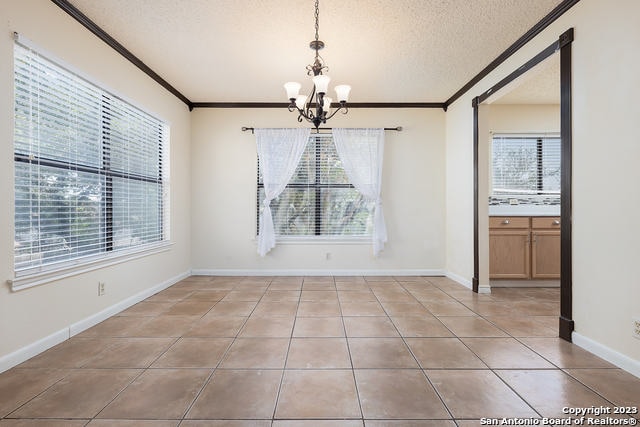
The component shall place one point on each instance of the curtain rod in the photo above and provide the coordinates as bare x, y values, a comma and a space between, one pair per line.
397, 128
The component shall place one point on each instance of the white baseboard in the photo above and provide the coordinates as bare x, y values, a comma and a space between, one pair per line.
610, 355
27, 352
313, 272
460, 279
484, 289
86, 323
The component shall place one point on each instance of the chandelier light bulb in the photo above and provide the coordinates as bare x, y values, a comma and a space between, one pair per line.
300, 101
292, 88
342, 92
326, 104
321, 83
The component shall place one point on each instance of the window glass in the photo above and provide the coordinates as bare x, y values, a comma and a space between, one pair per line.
88, 168
525, 165
319, 200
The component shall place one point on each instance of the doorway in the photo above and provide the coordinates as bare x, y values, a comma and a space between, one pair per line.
522, 139
481, 173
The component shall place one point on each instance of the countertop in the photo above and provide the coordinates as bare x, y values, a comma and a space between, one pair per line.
524, 210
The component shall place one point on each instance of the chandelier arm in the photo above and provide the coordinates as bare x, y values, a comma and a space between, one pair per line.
304, 114
308, 110
336, 111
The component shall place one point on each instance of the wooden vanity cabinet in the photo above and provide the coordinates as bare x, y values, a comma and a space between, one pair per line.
509, 248
545, 248
524, 247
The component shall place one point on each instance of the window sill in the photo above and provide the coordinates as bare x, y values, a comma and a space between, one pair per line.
323, 240
27, 280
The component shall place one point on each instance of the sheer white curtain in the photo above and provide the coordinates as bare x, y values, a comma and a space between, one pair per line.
279, 151
361, 152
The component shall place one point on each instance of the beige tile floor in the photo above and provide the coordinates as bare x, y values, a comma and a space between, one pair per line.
315, 351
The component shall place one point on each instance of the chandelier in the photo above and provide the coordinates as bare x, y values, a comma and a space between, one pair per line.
316, 108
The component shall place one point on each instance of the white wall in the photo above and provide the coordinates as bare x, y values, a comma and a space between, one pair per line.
47, 310
605, 172
518, 118
224, 196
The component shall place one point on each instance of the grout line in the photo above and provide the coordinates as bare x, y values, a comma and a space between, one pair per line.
286, 358
424, 374
353, 369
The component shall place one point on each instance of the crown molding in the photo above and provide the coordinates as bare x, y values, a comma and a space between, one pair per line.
113, 43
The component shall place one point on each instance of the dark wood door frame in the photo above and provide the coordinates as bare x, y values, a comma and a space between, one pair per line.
563, 44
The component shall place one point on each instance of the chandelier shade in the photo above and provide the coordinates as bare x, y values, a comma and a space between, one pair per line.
342, 92
293, 89
316, 107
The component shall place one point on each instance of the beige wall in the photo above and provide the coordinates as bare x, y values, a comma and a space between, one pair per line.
36, 313
518, 118
224, 198
605, 172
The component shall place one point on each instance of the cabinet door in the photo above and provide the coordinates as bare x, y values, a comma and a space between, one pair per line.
509, 255
545, 257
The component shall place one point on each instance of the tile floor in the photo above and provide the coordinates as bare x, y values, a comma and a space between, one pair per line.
315, 351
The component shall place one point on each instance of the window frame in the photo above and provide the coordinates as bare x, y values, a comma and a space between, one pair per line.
317, 186
108, 254
539, 165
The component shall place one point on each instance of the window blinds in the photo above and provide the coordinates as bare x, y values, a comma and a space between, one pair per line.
319, 200
88, 168
525, 164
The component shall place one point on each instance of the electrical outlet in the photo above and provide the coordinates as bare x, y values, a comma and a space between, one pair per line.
101, 288
636, 327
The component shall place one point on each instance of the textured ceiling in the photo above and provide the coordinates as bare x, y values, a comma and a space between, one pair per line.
387, 50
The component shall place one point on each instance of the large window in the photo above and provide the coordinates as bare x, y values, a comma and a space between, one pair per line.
525, 165
319, 200
89, 169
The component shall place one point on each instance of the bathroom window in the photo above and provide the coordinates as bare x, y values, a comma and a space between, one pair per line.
525, 164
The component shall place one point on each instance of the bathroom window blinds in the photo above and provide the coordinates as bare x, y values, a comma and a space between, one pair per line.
525, 164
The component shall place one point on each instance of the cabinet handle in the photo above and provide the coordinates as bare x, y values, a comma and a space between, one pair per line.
556, 222
505, 222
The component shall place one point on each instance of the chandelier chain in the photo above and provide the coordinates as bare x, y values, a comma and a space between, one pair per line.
317, 16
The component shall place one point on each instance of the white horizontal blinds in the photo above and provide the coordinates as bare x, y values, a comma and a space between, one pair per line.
69, 179
59, 212
319, 200
525, 164
551, 154
134, 146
